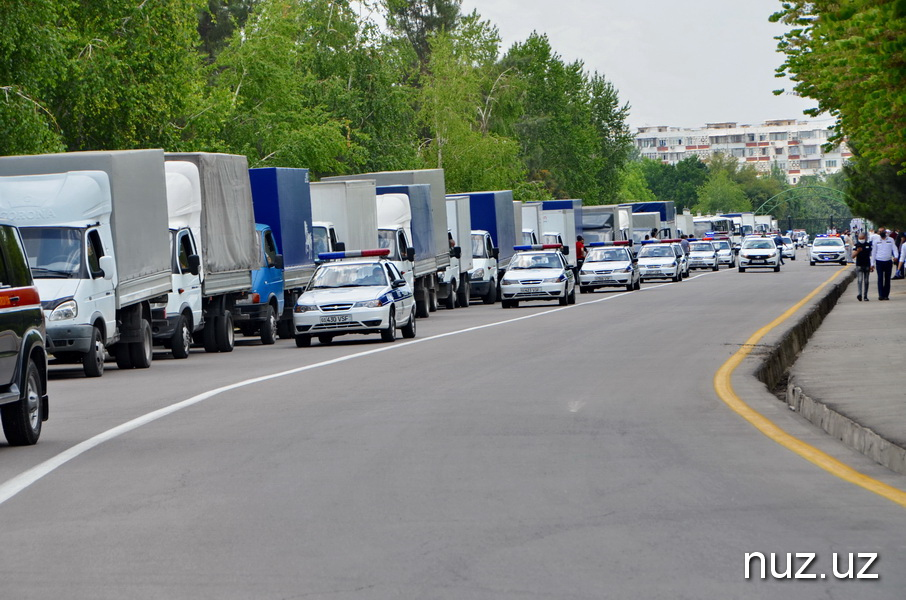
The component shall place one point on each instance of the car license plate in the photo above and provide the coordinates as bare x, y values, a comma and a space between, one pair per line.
758, 260
336, 319
531, 290
603, 278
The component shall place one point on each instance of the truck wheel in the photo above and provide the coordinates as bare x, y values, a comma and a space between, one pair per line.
123, 356
269, 327
181, 342
450, 300
285, 329
303, 341
246, 329
409, 328
93, 361
421, 304
142, 352
389, 334
209, 334
325, 338
432, 300
463, 293
491, 296
22, 420
224, 334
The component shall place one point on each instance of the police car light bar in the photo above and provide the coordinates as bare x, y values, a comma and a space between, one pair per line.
671, 241
538, 247
616, 243
325, 256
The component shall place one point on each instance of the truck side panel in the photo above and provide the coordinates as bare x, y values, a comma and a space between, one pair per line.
349, 205
420, 203
493, 212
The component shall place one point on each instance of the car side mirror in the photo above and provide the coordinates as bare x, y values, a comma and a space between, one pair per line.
398, 283
456, 252
278, 262
108, 267
194, 264
340, 247
565, 250
410, 254
495, 252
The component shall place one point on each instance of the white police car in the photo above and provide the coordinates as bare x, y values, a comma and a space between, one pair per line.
789, 248
703, 255
609, 264
659, 261
538, 272
827, 249
725, 254
354, 292
759, 253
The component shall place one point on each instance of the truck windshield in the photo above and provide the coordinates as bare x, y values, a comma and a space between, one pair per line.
340, 276
53, 252
551, 239
387, 239
319, 240
479, 248
528, 237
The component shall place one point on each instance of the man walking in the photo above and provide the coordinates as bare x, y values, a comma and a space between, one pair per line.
862, 256
883, 254
778, 240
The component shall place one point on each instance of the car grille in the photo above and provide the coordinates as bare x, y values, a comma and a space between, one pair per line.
535, 294
530, 281
335, 326
336, 307
605, 272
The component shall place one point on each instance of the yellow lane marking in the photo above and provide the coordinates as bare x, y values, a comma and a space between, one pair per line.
724, 388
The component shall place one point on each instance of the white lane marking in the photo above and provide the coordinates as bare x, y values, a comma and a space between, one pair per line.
17, 484
576, 405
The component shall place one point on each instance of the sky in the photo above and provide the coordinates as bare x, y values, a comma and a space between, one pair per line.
677, 63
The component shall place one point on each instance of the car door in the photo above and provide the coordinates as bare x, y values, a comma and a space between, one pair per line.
100, 297
402, 297
20, 306
185, 283
273, 277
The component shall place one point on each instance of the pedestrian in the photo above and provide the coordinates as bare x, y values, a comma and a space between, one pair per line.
901, 248
779, 242
847, 245
862, 256
654, 233
581, 252
883, 255
684, 242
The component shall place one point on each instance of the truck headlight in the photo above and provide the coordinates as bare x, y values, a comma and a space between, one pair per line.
301, 308
66, 310
369, 304
477, 274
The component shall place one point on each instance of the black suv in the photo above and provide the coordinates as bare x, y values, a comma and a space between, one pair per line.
23, 361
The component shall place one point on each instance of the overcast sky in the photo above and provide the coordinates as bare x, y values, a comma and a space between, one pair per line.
678, 63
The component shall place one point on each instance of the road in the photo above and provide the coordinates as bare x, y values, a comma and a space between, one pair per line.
527, 453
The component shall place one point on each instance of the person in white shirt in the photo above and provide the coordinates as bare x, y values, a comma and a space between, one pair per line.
883, 255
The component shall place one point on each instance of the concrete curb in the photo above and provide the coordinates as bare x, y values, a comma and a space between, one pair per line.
775, 366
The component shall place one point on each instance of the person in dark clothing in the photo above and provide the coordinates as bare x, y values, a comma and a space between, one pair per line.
779, 241
862, 256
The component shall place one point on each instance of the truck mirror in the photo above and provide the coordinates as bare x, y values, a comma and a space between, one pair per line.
565, 250
410, 254
108, 266
194, 264
495, 252
340, 247
456, 252
278, 262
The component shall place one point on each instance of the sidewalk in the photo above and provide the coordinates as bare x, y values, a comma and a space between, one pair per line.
850, 378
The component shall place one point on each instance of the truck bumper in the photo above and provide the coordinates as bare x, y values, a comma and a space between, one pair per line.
479, 288
250, 312
162, 327
69, 338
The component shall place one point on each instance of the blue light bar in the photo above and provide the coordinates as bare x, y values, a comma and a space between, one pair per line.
325, 256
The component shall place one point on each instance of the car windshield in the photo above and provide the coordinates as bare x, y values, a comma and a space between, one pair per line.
479, 248
758, 245
722, 245
355, 275
607, 255
701, 247
828, 242
535, 261
662, 251
53, 252
787, 240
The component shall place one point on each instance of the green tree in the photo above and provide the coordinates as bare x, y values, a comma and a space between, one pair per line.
679, 183
720, 194
418, 20
218, 20
633, 185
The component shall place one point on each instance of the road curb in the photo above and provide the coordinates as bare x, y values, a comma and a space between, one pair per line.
775, 367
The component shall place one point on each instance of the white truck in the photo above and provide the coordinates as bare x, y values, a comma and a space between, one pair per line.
454, 284
344, 216
685, 224
560, 224
228, 248
531, 223
643, 223
95, 230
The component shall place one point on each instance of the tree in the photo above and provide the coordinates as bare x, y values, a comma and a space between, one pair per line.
633, 185
418, 20
720, 194
218, 21
679, 183
876, 192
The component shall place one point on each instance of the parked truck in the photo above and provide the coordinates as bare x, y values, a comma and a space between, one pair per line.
531, 223
561, 223
493, 239
426, 286
454, 287
283, 214
644, 223
684, 224
228, 249
95, 230
606, 223
344, 216
666, 215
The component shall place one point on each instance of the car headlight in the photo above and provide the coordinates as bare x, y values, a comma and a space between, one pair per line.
477, 274
558, 279
506, 281
301, 308
744, 254
369, 304
66, 310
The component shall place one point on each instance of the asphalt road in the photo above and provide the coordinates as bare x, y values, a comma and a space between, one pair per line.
525, 453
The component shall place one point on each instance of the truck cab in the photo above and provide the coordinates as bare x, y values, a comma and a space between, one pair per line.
484, 267
528, 237
402, 255
260, 310
174, 321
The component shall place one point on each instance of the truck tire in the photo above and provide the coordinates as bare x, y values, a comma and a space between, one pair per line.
209, 334
22, 420
141, 353
269, 327
389, 334
285, 329
303, 340
491, 296
93, 361
181, 342
224, 334
463, 293
432, 300
123, 356
450, 300
409, 328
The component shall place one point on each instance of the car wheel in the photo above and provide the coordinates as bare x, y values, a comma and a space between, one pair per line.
389, 334
583, 289
22, 420
93, 361
564, 299
504, 304
677, 278
303, 341
777, 269
638, 284
491, 296
716, 267
181, 342
269, 327
630, 286
843, 262
572, 296
325, 338
224, 334
142, 352
409, 328
742, 269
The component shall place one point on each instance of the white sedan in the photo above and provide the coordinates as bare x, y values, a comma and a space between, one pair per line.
365, 294
703, 255
827, 249
608, 265
660, 261
538, 272
725, 254
759, 253
789, 248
